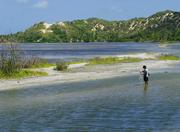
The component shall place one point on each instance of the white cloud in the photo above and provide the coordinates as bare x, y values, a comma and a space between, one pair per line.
23, 1
41, 4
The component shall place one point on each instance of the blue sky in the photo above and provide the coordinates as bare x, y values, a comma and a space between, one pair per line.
17, 15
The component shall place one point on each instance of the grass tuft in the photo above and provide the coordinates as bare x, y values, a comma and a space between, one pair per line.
168, 57
36, 63
22, 74
113, 60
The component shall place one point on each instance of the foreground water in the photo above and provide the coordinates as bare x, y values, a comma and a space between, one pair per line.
116, 104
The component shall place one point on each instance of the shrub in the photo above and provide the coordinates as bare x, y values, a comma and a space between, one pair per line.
61, 66
10, 59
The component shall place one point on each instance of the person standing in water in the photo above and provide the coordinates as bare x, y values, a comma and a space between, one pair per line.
145, 74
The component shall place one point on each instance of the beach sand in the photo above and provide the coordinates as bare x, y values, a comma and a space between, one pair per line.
81, 72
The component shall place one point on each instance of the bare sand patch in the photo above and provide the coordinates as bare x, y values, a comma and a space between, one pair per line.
85, 73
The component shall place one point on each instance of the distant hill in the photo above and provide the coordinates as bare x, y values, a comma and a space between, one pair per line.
162, 26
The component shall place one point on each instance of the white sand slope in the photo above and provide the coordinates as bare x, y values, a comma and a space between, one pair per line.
141, 55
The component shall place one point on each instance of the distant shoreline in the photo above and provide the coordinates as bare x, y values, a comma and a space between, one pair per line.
146, 42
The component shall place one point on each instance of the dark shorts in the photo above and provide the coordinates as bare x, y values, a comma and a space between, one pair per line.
146, 79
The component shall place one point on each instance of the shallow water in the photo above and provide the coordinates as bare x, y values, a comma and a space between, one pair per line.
115, 104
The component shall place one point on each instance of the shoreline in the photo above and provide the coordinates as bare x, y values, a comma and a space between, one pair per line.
74, 43
86, 73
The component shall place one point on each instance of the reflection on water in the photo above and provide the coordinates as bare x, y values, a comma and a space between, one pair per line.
146, 86
103, 105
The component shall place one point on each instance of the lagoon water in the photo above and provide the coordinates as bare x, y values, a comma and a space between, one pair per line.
116, 104
89, 50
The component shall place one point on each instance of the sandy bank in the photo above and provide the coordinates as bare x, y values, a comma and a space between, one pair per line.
137, 55
141, 55
79, 73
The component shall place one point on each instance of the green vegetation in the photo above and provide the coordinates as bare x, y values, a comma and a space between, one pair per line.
42, 65
61, 66
168, 57
113, 60
21, 74
10, 60
12, 64
161, 27
76, 62
36, 63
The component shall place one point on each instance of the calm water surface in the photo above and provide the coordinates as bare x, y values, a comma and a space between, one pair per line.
104, 105
89, 50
